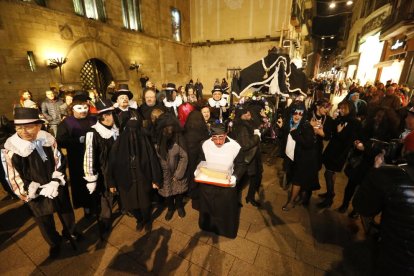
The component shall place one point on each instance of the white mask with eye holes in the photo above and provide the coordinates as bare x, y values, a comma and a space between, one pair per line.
81, 108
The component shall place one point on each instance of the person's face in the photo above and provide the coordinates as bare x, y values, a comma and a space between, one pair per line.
28, 132
50, 95
108, 119
323, 109
409, 121
168, 131
246, 116
206, 113
217, 96
343, 110
297, 116
80, 111
182, 90
150, 84
26, 96
219, 140
92, 96
150, 98
355, 97
68, 100
173, 95
123, 101
190, 91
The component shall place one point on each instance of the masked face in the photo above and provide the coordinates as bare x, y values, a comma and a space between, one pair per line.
219, 140
80, 111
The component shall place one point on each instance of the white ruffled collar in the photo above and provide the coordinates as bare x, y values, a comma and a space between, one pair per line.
214, 103
24, 148
105, 132
177, 102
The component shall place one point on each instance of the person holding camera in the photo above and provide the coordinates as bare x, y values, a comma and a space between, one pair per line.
388, 189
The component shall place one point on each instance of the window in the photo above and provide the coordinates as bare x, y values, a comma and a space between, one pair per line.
176, 24
131, 14
94, 9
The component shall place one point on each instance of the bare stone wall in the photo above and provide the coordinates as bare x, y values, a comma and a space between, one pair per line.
58, 31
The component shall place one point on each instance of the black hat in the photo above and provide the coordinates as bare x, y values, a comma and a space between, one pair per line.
217, 88
81, 96
218, 129
103, 106
122, 90
240, 110
171, 87
25, 115
167, 119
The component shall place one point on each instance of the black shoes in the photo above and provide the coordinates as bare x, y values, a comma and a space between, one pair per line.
54, 251
342, 209
253, 202
181, 212
326, 203
169, 214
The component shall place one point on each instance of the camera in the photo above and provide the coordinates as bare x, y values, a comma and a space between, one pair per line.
391, 149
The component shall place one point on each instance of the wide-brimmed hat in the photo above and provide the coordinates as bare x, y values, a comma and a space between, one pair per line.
218, 129
104, 106
171, 87
81, 96
122, 90
217, 88
26, 115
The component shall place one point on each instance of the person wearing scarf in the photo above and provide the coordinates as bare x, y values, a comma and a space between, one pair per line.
172, 101
219, 106
300, 162
35, 169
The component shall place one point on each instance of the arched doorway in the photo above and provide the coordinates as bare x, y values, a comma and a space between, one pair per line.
95, 74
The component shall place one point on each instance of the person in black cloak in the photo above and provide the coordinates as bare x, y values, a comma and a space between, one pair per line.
172, 153
301, 154
195, 133
98, 144
172, 101
35, 169
219, 206
248, 137
219, 106
123, 112
134, 171
71, 136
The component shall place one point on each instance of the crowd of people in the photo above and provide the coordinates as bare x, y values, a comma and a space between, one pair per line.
150, 154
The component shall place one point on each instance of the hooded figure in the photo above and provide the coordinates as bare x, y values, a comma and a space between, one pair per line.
172, 153
134, 170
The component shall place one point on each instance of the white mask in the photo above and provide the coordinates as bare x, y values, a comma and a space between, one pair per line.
80, 108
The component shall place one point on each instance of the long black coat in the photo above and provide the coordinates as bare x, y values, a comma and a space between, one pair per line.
336, 152
134, 167
303, 170
68, 134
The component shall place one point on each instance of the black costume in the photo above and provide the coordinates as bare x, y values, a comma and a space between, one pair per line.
69, 134
122, 117
98, 143
219, 209
26, 172
134, 166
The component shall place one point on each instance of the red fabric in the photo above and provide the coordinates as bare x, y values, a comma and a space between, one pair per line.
409, 142
183, 111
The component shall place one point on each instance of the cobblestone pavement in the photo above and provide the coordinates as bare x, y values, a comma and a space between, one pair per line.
303, 241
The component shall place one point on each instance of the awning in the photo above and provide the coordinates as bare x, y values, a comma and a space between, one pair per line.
386, 63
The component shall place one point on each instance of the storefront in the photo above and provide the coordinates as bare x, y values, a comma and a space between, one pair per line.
370, 54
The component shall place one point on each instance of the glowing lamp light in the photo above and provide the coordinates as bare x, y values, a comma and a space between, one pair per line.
349, 3
332, 5
332, 37
323, 38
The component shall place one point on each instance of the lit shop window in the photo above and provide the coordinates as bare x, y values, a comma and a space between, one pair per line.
93, 9
131, 14
176, 24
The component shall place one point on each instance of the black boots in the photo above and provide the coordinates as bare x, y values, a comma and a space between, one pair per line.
253, 202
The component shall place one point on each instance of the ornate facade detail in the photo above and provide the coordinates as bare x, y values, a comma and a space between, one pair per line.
66, 32
374, 23
234, 4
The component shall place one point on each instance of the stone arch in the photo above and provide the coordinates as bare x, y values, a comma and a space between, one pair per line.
85, 49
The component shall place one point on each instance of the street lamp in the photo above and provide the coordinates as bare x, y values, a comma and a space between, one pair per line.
332, 5
57, 63
349, 3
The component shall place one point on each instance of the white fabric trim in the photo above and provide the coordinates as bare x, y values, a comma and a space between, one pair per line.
105, 132
25, 121
217, 104
24, 148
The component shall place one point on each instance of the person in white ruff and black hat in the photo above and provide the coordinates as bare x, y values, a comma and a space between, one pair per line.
98, 144
172, 101
123, 112
35, 169
219, 206
71, 136
219, 106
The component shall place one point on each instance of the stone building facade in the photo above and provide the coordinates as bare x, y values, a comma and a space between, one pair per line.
55, 30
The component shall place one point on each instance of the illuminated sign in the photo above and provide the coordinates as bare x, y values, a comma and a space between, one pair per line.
397, 44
